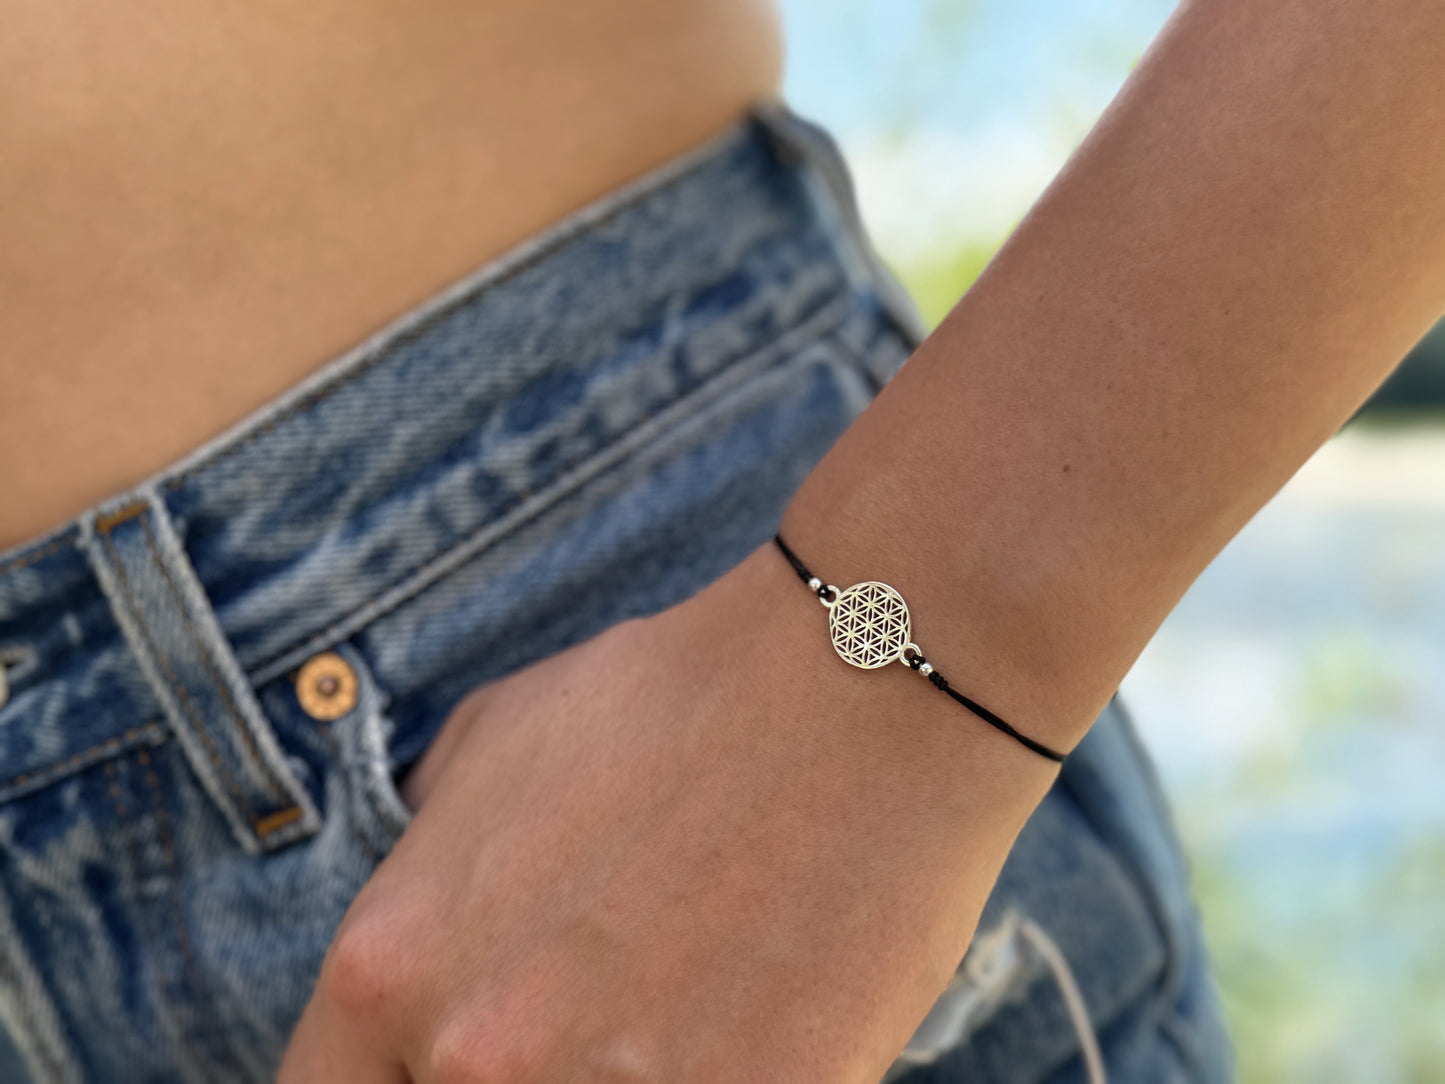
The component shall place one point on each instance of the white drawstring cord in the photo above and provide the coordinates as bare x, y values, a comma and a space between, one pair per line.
983, 982
1073, 999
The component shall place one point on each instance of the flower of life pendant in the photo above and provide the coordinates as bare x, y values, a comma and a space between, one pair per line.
869, 624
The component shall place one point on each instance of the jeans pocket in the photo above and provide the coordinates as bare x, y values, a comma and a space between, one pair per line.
1079, 945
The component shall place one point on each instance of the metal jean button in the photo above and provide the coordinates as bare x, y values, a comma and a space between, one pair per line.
326, 686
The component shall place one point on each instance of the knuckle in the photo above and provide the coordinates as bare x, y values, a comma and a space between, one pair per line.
473, 1053
363, 967
461, 1056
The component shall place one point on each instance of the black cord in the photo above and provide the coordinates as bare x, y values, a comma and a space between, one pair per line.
800, 568
917, 661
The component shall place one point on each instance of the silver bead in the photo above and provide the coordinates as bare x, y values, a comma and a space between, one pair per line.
814, 584
925, 669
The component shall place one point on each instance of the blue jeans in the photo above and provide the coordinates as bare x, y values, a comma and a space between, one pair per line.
212, 682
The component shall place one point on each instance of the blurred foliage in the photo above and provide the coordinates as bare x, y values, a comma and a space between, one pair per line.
1323, 918
1343, 992
1347, 676
936, 287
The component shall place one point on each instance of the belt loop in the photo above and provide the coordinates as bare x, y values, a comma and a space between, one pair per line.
800, 142
169, 624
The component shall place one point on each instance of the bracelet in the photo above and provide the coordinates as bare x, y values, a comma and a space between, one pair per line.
870, 626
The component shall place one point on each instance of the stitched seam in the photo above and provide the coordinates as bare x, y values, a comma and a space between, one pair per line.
25, 559
175, 686
365, 365
183, 936
150, 732
210, 666
859, 359
1179, 942
127, 832
335, 627
1177, 1034
334, 748
111, 520
1139, 879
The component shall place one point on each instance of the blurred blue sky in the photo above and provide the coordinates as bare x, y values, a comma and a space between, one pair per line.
956, 114
967, 65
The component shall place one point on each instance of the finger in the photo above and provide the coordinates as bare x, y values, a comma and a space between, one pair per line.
326, 1049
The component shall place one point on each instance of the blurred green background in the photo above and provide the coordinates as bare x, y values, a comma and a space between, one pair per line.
1293, 700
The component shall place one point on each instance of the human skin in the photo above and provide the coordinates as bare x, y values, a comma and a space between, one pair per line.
200, 205
700, 847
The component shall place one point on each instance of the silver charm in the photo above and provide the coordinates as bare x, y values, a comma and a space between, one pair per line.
869, 624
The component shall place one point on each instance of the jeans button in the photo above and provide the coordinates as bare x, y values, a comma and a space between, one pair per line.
326, 687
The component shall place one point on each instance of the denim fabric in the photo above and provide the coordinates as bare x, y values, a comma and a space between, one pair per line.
589, 428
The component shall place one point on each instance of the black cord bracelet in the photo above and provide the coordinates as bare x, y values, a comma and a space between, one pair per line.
870, 626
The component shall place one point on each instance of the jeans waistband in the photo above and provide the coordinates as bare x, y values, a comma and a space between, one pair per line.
370, 479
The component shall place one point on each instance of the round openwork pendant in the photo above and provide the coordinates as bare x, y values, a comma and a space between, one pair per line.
870, 625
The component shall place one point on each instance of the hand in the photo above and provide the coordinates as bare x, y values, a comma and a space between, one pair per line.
698, 847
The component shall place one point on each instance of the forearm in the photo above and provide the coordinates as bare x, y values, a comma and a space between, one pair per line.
1242, 249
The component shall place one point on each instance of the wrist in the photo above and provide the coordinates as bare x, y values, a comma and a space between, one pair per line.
1004, 598
769, 645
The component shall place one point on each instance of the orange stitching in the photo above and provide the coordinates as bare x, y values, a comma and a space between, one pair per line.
175, 685
274, 821
26, 559
209, 663
106, 523
98, 750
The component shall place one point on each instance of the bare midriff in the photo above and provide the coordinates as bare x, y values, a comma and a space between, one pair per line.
201, 205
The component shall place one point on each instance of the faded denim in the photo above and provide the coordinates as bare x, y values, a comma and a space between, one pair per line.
589, 428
